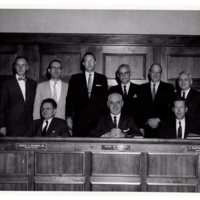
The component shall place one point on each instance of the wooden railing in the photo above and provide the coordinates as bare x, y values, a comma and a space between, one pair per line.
90, 164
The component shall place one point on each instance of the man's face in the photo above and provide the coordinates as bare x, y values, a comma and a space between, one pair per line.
115, 104
184, 82
124, 75
55, 70
47, 111
89, 63
155, 73
21, 66
179, 109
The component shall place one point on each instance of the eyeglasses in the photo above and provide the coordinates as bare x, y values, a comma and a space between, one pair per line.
124, 74
56, 68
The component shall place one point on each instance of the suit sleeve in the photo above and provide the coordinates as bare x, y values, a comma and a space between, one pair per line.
37, 103
64, 129
69, 109
97, 131
3, 105
134, 130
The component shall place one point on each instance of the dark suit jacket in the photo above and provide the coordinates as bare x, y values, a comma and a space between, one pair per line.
167, 128
84, 110
130, 106
160, 107
193, 101
15, 113
58, 127
126, 123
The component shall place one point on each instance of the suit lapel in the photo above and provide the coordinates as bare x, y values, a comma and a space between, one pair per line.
51, 127
18, 89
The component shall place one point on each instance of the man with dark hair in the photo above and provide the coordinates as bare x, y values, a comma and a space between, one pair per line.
54, 88
115, 124
154, 101
49, 126
86, 98
16, 100
127, 89
178, 126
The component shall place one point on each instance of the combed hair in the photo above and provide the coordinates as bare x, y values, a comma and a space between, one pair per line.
49, 100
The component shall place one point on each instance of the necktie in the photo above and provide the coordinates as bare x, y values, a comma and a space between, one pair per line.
183, 95
154, 91
89, 85
55, 95
115, 122
21, 79
44, 131
125, 92
179, 130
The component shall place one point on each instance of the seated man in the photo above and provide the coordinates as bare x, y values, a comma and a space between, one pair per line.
115, 124
49, 126
180, 125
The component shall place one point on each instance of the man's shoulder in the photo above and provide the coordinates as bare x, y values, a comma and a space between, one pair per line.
31, 81
165, 84
59, 120
98, 75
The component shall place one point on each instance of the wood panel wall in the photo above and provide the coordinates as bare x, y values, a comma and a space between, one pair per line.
73, 164
174, 53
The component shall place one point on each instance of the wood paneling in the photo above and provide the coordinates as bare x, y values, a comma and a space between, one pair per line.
59, 163
13, 186
161, 165
13, 163
112, 164
115, 187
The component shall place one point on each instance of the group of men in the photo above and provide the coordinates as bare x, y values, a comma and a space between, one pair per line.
87, 108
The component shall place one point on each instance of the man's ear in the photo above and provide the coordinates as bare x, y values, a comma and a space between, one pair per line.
186, 109
54, 111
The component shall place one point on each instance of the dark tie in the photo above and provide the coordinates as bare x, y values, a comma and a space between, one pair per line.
125, 92
89, 85
115, 122
183, 95
179, 130
154, 91
21, 79
44, 131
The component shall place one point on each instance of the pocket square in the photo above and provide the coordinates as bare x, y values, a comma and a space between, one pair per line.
135, 96
97, 85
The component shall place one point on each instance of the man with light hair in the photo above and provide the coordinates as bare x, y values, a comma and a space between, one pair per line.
192, 96
115, 124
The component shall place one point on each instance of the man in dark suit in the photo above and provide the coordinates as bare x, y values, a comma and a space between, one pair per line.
86, 98
128, 90
115, 124
178, 126
49, 126
154, 101
16, 101
192, 96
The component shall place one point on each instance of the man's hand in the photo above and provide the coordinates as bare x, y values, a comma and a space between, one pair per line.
3, 131
114, 133
153, 122
70, 124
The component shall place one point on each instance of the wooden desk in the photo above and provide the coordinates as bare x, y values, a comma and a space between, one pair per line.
90, 164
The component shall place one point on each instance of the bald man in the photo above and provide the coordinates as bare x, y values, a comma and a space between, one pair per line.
115, 124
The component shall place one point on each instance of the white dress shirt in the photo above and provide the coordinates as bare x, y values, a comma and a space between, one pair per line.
117, 118
182, 125
44, 123
186, 92
58, 88
87, 74
127, 87
22, 85
156, 86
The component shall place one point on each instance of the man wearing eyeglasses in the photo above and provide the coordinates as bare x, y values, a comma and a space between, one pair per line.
127, 89
16, 101
55, 89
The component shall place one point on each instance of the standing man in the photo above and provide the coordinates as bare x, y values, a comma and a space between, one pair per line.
192, 96
55, 88
128, 90
49, 125
154, 101
16, 101
86, 99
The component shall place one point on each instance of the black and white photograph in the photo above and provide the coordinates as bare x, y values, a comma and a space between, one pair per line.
100, 99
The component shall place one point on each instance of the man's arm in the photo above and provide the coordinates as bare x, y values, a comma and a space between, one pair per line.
37, 102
